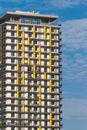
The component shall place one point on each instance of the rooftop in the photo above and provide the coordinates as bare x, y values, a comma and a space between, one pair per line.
32, 14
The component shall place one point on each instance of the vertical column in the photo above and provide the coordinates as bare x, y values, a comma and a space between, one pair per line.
28, 40
17, 94
44, 32
50, 85
39, 128
39, 95
33, 31
50, 62
50, 36
33, 51
39, 55
23, 79
22, 61
39, 104
45, 75
17, 47
29, 61
23, 96
17, 30
22, 76
50, 119
34, 71
17, 80
50, 30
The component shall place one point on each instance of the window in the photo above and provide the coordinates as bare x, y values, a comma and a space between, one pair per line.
45, 105
12, 33
19, 54
12, 53
53, 122
52, 76
19, 33
52, 109
19, 40
29, 68
30, 20
12, 100
35, 61
29, 34
45, 62
12, 114
29, 28
12, 87
12, 46
52, 49
29, 55
45, 55
45, 69
12, 60
53, 62
32, 41
12, 80
45, 43
12, 74
45, 49
12, 26
19, 61
20, 27
45, 95
12, 40
52, 102
45, 83
46, 116
35, 82
12, 107
52, 69
19, 74
29, 48
12, 121
52, 56
35, 102
53, 116
12, 67
12, 128
35, 108
12, 94
52, 96
52, 82
35, 122
53, 89
35, 41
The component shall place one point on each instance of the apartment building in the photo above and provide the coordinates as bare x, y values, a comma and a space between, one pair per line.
30, 72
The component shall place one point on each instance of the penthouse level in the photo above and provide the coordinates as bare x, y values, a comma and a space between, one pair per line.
27, 17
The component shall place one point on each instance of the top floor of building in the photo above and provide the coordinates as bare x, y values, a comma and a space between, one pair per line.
27, 18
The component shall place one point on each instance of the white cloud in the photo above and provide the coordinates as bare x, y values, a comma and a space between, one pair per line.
74, 32
63, 3
75, 108
75, 49
60, 4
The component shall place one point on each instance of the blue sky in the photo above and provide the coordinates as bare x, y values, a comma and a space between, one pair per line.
73, 16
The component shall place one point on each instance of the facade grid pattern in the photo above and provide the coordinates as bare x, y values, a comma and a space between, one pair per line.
30, 81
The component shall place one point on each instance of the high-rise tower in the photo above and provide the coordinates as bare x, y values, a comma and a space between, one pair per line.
30, 79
